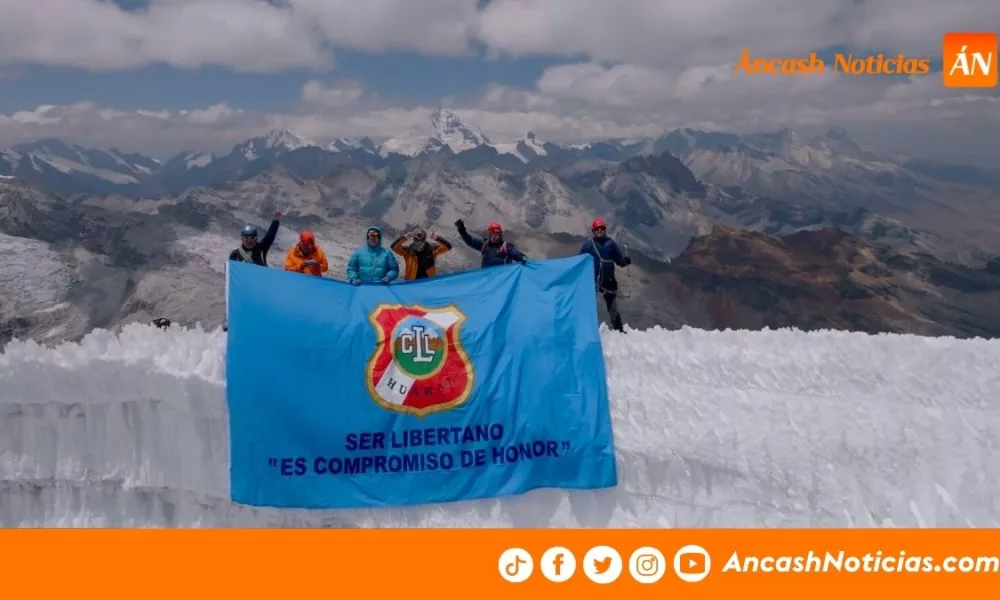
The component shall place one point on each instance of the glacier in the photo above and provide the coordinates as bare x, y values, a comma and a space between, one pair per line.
712, 429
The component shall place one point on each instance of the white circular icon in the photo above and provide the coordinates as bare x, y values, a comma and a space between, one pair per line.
692, 563
647, 565
515, 565
557, 564
602, 564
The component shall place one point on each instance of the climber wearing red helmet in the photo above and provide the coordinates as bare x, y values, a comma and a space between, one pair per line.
606, 255
494, 249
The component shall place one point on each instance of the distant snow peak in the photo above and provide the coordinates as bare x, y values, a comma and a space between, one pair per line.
524, 148
345, 144
447, 129
450, 130
275, 141
534, 144
53, 153
789, 136
198, 159
285, 138
342, 145
838, 133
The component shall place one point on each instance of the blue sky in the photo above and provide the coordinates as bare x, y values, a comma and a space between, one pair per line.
565, 69
406, 76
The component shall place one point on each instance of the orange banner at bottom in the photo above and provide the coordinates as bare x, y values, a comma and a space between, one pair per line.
501, 563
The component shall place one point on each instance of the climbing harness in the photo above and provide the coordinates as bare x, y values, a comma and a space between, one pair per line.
502, 252
600, 271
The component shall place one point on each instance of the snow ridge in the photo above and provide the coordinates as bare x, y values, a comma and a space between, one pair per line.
273, 142
448, 130
712, 429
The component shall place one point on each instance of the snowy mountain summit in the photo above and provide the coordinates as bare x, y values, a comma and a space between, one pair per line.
351, 145
450, 130
273, 142
447, 129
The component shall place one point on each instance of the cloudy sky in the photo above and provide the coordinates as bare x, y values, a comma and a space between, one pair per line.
159, 76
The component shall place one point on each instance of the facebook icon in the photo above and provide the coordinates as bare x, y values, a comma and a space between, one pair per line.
558, 564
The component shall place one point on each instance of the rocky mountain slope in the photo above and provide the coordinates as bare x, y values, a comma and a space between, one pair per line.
75, 264
96, 238
828, 279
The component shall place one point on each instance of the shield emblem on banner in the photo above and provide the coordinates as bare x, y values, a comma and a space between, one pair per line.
419, 365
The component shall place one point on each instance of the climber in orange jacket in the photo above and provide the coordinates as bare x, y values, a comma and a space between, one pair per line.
306, 257
419, 255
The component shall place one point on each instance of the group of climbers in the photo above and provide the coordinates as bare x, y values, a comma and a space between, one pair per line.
373, 263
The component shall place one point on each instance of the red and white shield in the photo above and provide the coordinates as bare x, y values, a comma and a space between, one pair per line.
419, 365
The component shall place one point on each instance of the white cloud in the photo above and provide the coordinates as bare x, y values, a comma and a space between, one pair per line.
247, 35
570, 102
338, 94
217, 113
641, 67
680, 34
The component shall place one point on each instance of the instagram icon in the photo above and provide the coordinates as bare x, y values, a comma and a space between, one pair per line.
647, 565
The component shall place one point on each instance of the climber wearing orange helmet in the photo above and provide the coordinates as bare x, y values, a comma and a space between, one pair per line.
306, 257
494, 249
606, 255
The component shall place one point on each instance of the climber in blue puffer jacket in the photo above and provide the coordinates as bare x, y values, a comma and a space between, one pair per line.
372, 263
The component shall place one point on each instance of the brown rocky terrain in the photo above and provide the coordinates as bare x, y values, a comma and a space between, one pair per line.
827, 279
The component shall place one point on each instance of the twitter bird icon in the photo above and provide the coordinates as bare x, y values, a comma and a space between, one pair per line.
602, 564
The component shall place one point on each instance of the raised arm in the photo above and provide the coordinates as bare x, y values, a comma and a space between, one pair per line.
442, 246
473, 241
272, 232
399, 245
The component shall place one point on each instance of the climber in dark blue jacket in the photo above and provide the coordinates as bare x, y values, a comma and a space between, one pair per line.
494, 249
606, 255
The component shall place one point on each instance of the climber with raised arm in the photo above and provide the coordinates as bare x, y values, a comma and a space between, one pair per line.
419, 255
252, 250
494, 249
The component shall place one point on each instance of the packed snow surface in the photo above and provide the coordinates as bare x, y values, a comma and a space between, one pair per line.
712, 429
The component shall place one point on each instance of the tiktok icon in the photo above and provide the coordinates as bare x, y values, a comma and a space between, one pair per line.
516, 565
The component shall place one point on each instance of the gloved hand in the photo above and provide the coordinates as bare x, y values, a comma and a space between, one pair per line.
627, 261
460, 224
355, 282
385, 280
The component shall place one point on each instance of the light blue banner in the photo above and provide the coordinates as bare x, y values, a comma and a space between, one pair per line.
478, 384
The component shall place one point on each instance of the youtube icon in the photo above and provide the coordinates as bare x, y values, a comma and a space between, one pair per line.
692, 563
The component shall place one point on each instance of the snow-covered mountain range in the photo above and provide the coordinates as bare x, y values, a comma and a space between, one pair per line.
94, 238
658, 191
828, 169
